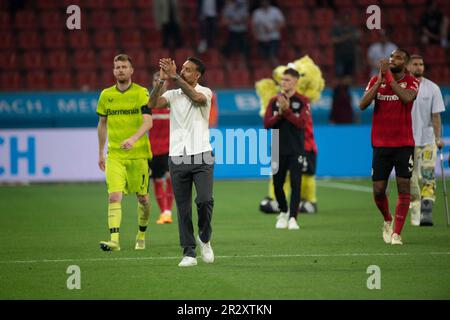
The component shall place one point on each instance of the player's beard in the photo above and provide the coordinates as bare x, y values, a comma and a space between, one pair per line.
396, 69
417, 74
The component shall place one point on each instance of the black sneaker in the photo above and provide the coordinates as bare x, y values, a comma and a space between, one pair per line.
308, 207
268, 205
426, 219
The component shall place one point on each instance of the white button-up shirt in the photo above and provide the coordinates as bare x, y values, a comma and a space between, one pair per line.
428, 101
189, 123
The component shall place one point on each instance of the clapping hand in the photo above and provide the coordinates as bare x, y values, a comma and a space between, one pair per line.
168, 66
384, 66
283, 103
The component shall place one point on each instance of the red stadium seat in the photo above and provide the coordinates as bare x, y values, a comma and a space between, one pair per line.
215, 78
289, 4
9, 60
239, 78
366, 3
404, 36
100, 19
396, 17
434, 54
152, 39
323, 17
315, 54
55, 40
33, 60
305, 38
181, 55
8, 41
62, 80
104, 39
29, 40
48, 4
58, 60
97, 4
324, 36
85, 59
130, 39
143, 4
262, 73
416, 2
106, 58
120, 4
344, 3
327, 57
139, 58
389, 3
52, 20
146, 20
156, 54
298, 17
86, 80
107, 79
288, 54
212, 58
5, 21
125, 19
37, 80
79, 40
11, 80
25, 19
142, 77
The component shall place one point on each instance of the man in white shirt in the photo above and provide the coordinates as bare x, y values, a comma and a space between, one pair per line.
267, 22
190, 153
379, 50
426, 121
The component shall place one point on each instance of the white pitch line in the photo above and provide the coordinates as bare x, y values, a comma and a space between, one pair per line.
319, 255
343, 186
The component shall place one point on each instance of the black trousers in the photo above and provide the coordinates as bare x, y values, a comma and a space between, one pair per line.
186, 171
293, 164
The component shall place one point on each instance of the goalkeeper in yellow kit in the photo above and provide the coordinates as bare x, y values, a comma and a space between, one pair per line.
125, 119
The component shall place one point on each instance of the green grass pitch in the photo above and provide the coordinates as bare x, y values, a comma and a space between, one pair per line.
46, 228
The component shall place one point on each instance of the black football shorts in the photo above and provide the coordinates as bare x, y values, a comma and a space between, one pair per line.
310, 163
384, 159
159, 165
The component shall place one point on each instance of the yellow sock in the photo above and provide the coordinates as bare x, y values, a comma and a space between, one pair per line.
309, 188
114, 219
286, 187
143, 215
271, 190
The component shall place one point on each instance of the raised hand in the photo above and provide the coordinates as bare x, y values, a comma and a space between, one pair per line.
384, 66
168, 66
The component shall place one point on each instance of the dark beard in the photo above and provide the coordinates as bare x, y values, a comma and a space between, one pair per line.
396, 69
417, 74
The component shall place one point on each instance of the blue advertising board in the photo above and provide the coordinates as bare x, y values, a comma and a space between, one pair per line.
77, 109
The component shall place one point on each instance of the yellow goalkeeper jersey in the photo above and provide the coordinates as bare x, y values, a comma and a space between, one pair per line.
124, 117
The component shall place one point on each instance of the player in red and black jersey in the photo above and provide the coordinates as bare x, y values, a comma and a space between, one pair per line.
288, 112
159, 165
394, 91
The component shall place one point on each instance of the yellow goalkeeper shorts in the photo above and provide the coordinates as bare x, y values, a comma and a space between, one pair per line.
127, 176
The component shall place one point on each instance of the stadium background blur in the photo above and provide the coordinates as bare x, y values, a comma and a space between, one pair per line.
50, 79
51, 76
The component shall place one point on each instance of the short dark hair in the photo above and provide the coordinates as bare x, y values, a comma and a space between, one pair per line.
291, 72
408, 57
199, 63
416, 56
123, 57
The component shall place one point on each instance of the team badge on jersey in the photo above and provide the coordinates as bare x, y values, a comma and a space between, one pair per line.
295, 105
402, 84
